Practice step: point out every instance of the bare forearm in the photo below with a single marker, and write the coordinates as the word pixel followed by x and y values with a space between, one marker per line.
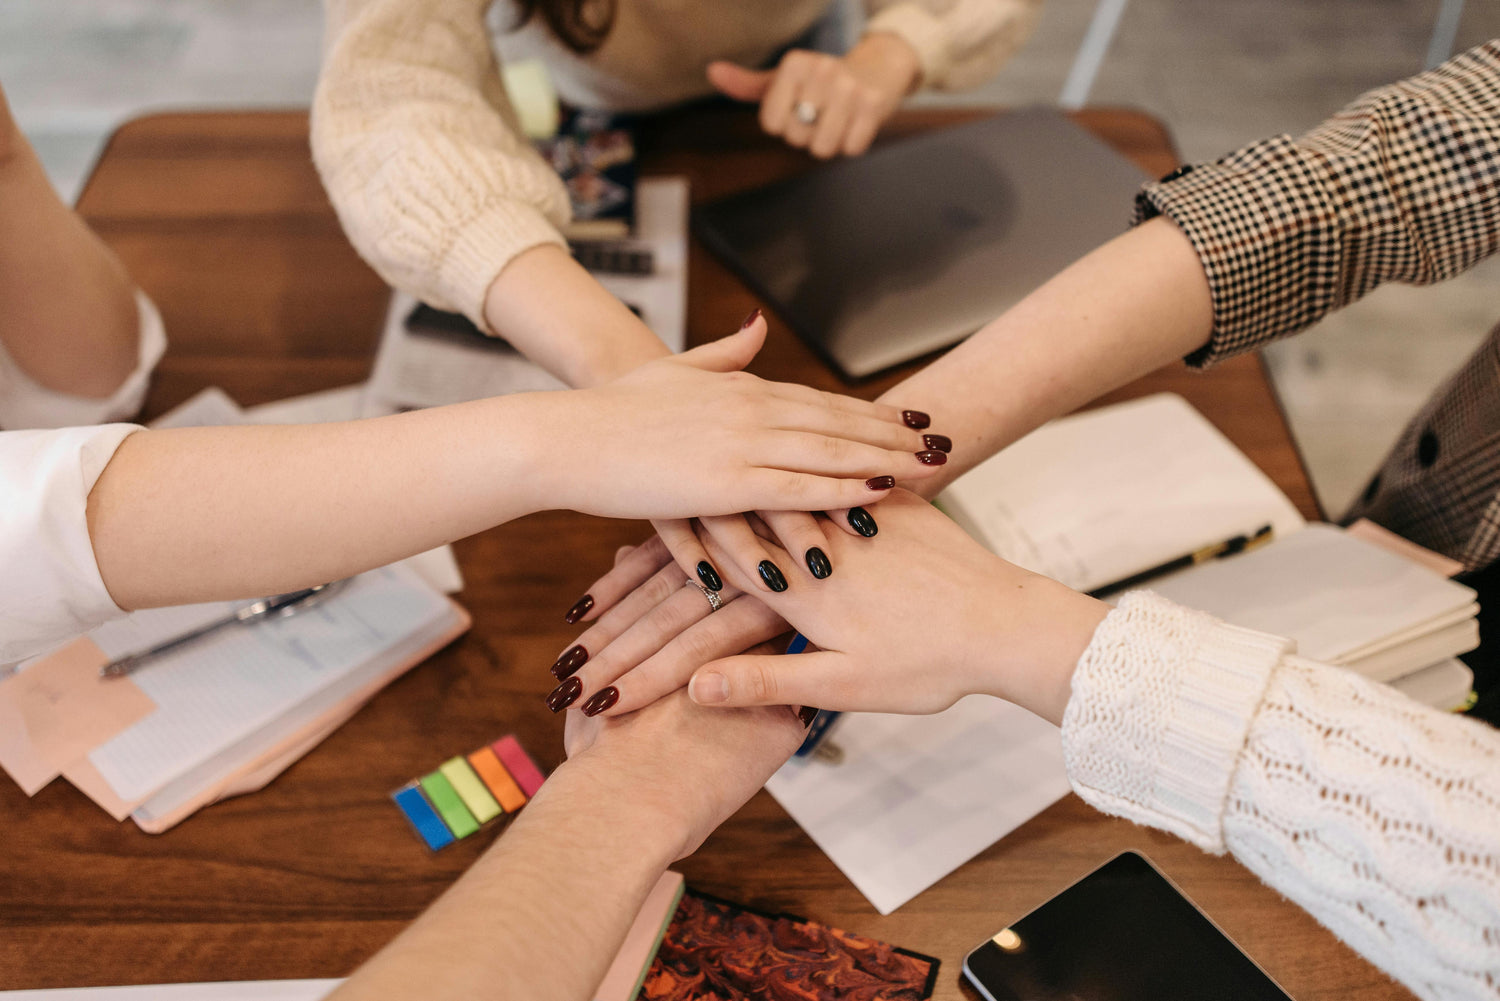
pixel 67 309
pixel 196 514
pixel 556 314
pixel 542 914
pixel 1131 306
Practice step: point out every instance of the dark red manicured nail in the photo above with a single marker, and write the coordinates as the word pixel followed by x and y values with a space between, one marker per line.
pixel 932 457
pixel 754 313
pixel 807 714
pixel 572 659
pixel 880 482
pixel 580 609
pixel 565 694
pixel 601 700
pixel 941 442
pixel 915 419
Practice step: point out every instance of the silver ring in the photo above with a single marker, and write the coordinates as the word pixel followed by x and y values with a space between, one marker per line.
pixel 714 601
pixel 806 112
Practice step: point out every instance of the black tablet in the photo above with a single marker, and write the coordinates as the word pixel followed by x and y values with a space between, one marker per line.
pixel 1122 933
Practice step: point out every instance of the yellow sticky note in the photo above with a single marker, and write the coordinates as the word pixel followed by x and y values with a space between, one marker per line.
pixel 472 791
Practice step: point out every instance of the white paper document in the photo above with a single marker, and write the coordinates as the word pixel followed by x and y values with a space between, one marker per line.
pixel 211 695
pixel 915 797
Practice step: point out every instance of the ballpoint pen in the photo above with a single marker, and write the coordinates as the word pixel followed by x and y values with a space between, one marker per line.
pixel 273 607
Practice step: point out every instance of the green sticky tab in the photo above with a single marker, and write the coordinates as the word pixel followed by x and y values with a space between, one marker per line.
pixel 472 791
pixel 448 805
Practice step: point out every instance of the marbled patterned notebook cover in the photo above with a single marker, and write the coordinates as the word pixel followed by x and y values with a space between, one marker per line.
pixel 718 951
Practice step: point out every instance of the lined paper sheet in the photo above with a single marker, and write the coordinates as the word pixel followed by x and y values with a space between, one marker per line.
pixel 915 797
pixel 212 694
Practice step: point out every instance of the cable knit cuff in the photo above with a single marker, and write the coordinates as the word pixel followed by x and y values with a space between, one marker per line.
pixel 919 28
pixel 483 248
pixel 1162 700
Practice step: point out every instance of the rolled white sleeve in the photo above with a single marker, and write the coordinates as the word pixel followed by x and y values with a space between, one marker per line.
pixel 51 590
pixel 26 404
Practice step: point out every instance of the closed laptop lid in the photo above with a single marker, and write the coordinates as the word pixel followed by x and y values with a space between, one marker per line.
pixel 879 259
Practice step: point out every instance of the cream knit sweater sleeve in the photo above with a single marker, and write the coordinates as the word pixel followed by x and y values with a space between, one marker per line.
pixel 421 153
pixel 1379 816
pixel 961 43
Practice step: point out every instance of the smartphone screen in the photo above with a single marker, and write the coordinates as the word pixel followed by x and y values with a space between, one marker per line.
pixel 1122 933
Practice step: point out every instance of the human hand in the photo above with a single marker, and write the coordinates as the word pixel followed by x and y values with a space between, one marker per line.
pixel 692 767
pixel 916 618
pixel 828 105
pixel 692 435
pixel 658 632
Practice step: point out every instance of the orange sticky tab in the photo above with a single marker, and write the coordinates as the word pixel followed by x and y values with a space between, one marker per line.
pixel 506 792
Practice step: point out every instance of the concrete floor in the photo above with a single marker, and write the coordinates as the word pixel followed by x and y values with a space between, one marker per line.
pixel 1220 74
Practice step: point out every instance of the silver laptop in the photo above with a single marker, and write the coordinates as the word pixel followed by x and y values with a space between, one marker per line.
pixel 878 260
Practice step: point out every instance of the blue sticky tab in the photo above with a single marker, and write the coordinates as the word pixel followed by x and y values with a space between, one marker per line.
pixel 798 644
pixel 422 816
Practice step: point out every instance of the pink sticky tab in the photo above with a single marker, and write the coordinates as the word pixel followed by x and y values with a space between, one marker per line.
pixel 516 761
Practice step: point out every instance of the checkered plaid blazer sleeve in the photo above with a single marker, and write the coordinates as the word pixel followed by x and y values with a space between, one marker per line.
pixel 1402 185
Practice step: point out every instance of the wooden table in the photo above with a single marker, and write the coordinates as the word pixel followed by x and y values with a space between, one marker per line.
pixel 220 217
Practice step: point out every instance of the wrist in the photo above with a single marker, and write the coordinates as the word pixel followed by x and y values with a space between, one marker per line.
pixel 892 59
pixel 653 818
pixel 1046 627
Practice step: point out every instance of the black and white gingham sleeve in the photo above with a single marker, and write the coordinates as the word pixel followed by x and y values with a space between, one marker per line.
pixel 1402 185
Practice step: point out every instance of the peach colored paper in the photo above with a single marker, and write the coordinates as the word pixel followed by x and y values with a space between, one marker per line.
pixel 59 709
pixel 623 981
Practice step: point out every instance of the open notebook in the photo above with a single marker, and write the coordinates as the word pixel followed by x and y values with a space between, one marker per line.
pixel 1102 496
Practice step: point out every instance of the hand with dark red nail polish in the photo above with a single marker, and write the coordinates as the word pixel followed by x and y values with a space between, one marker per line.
pixel 601 700
pixel 880 482
pixel 932 457
pixel 754 315
pixel 579 610
pixel 565 695
pixel 568 664
pixel 940 442
pixel 915 419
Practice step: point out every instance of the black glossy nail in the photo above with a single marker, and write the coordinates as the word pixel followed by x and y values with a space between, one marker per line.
pixel 568 664
pixel 941 442
pixel 915 419
pixel 709 576
pixel 754 314
pixel 932 457
pixel 807 714
pixel 771 574
pixel 565 694
pixel 580 609
pixel 817 563
pixel 601 700
pixel 880 482
pixel 861 522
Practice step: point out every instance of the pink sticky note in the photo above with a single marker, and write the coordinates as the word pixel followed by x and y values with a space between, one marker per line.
pixel 59 709
pixel 516 761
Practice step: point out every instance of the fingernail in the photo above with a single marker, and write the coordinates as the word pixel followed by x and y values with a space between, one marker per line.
pixel 565 694
pixel 941 442
pixel 572 659
pixel 817 563
pixel 771 574
pixel 880 482
pixel 601 700
pixel 709 689
pixel 932 457
pixel 709 576
pixel 580 609
pixel 807 714
pixel 915 419
pixel 754 315
pixel 861 522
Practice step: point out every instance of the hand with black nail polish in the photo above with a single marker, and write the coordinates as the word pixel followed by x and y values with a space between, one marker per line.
pixel 911 625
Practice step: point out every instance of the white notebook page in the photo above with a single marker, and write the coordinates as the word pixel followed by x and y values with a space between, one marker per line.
pixel 211 694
